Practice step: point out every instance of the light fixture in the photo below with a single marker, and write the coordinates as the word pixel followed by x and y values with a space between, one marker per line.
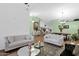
pixel 63 14
pixel 33 21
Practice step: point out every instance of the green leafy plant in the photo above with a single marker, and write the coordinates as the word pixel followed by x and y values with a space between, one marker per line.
pixel 75 36
pixel 60 28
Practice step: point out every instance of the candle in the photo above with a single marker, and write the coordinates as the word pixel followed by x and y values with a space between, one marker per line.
pixel 39 43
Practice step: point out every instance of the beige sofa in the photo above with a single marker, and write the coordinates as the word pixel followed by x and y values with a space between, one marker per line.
pixel 13 42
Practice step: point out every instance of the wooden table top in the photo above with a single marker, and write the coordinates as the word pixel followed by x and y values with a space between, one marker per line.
pixel 61 33
pixel 72 42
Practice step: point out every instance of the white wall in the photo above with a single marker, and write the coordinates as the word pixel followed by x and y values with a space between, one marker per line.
pixel 53 11
pixel 14 20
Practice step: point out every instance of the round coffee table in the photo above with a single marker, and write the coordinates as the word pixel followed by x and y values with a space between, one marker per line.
pixel 24 51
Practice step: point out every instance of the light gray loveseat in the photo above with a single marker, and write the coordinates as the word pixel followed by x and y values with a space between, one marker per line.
pixel 13 42
pixel 54 39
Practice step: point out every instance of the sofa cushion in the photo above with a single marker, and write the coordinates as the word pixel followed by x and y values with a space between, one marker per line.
pixel 19 37
pixel 28 37
pixel 22 37
pixel 19 43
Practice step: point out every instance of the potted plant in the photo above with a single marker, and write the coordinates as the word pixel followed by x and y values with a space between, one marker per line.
pixel 60 28
pixel 75 36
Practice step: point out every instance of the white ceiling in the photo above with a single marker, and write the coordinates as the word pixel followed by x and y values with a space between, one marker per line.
pixel 52 11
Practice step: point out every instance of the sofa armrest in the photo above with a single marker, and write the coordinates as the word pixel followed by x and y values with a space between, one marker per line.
pixel 6 42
